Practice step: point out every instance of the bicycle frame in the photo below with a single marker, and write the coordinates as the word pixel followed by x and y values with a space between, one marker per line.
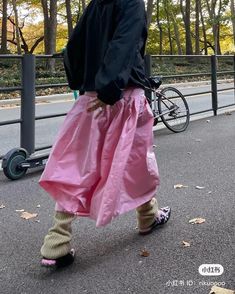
pixel 159 95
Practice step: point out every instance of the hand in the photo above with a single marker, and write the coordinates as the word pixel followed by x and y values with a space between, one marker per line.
pixel 94 105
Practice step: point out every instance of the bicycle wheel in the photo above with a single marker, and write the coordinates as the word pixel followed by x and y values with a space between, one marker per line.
pixel 173 109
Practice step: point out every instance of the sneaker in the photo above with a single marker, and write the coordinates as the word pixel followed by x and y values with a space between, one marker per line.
pixel 62 261
pixel 161 218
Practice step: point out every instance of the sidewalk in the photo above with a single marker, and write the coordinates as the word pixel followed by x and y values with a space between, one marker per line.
pixel 108 259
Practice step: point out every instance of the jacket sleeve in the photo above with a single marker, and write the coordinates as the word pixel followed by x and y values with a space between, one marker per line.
pixel 114 72
pixel 74 54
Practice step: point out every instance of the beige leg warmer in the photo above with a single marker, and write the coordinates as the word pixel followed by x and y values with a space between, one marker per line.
pixel 57 241
pixel 146 214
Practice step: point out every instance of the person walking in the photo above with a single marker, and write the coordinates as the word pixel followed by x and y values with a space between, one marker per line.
pixel 102 163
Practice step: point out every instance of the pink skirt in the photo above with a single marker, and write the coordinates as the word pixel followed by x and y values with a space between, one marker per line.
pixel 103 167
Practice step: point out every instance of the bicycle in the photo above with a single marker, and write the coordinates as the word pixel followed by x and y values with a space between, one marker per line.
pixel 169 104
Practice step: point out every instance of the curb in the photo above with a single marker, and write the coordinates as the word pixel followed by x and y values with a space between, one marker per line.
pixel 200 116
pixel 56 97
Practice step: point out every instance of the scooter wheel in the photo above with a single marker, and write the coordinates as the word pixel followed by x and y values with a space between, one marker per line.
pixel 12 168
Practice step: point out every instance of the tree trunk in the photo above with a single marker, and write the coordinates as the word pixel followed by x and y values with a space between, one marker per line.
pixel 3 49
pixel 50 29
pixel 46 25
pixel 53 25
pixel 50 25
pixel 187 24
pixel 216 19
pixel 177 35
pixel 218 40
pixel 197 23
pixel 149 12
pixel 160 30
pixel 233 19
pixel 166 7
pixel 69 17
pixel 215 33
pixel 16 27
pixel 189 47
pixel 203 30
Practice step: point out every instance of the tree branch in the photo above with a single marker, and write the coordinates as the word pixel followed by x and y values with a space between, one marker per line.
pixel 202 41
pixel 11 41
pixel 36 44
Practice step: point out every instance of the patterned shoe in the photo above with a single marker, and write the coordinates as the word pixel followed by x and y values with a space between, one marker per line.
pixel 62 261
pixel 161 218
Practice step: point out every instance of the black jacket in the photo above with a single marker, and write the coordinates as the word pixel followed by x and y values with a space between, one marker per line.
pixel 106 50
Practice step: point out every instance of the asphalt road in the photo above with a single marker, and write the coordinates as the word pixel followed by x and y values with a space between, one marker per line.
pixel 108 259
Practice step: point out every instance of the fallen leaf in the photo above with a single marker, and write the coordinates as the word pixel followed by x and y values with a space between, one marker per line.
pixel 200 187
pixel 28 215
pixel 219 290
pixel 185 244
pixel 144 253
pixel 197 220
pixel 2 206
pixel 179 186
pixel 19 210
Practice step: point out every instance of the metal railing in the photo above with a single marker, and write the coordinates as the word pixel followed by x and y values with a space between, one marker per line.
pixel 213 74
pixel 28 88
pixel 28 92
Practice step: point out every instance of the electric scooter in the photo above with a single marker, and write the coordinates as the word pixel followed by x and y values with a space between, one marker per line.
pixel 17 161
